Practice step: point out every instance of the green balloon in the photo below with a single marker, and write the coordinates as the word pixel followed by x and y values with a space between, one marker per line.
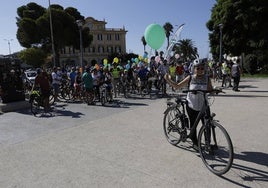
pixel 155 36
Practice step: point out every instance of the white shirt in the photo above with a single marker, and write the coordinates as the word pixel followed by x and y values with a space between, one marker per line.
pixel 196 101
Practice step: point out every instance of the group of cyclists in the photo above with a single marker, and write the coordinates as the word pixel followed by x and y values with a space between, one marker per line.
pixel 130 78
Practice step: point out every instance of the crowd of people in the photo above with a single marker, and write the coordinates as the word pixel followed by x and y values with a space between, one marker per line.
pixel 138 77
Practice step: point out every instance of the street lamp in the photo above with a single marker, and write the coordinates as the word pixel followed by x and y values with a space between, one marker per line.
pixel 80 24
pixel 51 33
pixel 220 57
pixel 8 42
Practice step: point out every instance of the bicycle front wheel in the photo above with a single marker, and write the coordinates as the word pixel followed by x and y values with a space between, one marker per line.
pixel 216 148
pixel 173 125
pixel 35 107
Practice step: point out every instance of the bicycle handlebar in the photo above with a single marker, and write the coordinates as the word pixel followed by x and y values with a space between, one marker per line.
pixel 195 91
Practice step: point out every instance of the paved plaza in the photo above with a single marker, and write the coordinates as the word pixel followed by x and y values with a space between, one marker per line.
pixel 128 148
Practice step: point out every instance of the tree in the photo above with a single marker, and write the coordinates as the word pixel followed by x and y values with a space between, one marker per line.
pixel 143 42
pixel 33 23
pixel 33 56
pixel 168 29
pixel 244 27
pixel 186 49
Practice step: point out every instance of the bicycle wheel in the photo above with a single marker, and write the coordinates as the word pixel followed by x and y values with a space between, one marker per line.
pixel 35 107
pixel 215 148
pixel 173 125
pixel 51 99
pixel 67 94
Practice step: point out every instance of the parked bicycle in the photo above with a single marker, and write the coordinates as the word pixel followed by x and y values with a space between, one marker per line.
pixel 214 143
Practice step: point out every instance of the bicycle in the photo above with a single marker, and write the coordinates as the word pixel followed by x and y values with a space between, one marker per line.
pixel 106 94
pixel 37 102
pixel 214 143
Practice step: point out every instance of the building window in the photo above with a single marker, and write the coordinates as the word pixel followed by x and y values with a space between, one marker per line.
pixel 62 51
pixel 118 49
pixel 99 36
pixel 117 37
pixel 109 49
pixel 109 37
pixel 100 49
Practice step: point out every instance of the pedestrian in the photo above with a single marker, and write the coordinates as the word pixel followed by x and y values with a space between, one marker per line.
pixel 225 70
pixel 236 72
pixel 198 80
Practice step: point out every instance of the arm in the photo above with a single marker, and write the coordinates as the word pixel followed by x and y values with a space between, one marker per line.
pixel 210 87
pixel 175 85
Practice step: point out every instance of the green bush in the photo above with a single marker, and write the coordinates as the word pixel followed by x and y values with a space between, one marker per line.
pixel 250 63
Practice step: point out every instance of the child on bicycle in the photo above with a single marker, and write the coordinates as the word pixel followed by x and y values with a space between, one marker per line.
pixel 198 80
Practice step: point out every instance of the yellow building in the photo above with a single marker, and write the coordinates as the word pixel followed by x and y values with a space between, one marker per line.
pixel 105 41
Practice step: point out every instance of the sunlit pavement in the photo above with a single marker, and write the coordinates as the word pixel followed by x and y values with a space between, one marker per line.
pixel 127 148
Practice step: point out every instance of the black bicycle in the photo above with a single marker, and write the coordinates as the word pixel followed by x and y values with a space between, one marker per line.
pixel 37 102
pixel 214 143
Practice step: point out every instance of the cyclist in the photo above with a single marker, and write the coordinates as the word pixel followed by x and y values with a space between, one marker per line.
pixel 197 80
pixel 42 81
pixel 77 85
pixel 162 70
pixel 88 85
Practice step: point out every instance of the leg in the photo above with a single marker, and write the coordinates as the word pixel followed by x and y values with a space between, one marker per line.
pixel 192 117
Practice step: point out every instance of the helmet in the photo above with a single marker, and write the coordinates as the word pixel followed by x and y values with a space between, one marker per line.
pixel 196 62
pixel 38 70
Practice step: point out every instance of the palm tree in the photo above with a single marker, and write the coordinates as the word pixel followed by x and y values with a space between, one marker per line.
pixel 143 42
pixel 168 29
pixel 187 48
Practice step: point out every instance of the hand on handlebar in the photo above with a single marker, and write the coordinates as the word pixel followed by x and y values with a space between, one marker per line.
pixel 167 76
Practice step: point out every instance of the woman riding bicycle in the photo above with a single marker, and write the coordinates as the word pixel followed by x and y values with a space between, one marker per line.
pixel 198 80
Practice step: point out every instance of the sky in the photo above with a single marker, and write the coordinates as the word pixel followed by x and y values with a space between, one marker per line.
pixel 134 15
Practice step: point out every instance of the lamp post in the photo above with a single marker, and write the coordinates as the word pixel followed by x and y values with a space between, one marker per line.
pixel 51 33
pixel 80 26
pixel 8 42
pixel 220 57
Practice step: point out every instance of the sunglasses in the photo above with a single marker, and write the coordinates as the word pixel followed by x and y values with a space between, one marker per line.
pixel 199 68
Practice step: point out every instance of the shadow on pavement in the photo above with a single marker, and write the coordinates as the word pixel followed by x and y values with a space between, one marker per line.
pixel 249 174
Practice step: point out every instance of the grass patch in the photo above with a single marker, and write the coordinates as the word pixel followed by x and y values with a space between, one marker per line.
pixel 246 75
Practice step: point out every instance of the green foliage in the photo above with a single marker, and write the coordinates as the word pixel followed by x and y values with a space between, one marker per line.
pixel 187 49
pixel 144 43
pixel 250 63
pixel 33 56
pixel 168 27
pixel 33 23
pixel 245 27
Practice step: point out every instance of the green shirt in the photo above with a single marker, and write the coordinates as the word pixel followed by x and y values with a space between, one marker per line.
pixel 88 80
